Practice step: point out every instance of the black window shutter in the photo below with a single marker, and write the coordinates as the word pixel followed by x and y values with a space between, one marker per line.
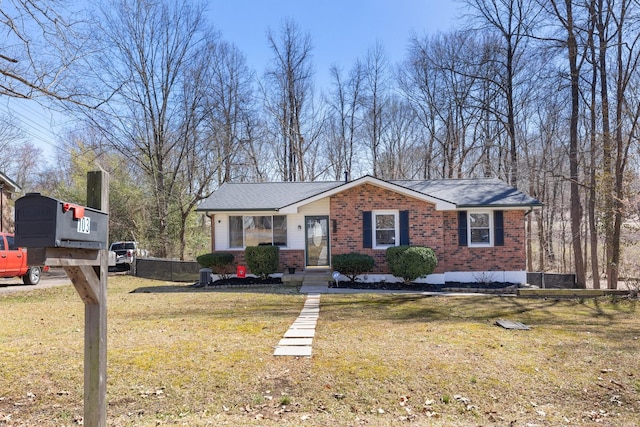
pixel 498 228
pixel 367 230
pixel 462 228
pixel 404 228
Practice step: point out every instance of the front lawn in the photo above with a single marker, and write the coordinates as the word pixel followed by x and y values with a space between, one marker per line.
pixel 203 357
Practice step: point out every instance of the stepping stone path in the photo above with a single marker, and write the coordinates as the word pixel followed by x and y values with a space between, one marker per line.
pixel 297 340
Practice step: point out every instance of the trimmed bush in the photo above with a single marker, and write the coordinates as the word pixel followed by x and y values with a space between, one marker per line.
pixel 411 262
pixel 262 260
pixel 218 262
pixel 352 265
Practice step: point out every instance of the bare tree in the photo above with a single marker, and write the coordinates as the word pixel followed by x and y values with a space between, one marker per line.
pixel 289 97
pixel 344 119
pixel 229 109
pixel 616 25
pixel 563 12
pixel 44 40
pixel 441 82
pixel 154 58
pixel 10 138
pixel 399 143
pixel 511 21
pixel 418 80
pixel 375 98
pixel 594 147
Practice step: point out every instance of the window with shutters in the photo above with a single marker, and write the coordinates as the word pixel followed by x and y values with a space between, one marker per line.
pixel 480 228
pixel 385 229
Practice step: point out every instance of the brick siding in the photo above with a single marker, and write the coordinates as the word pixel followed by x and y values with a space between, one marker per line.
pixel 427 227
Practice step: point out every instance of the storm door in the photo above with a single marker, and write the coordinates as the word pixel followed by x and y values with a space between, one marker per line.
pixel 317 241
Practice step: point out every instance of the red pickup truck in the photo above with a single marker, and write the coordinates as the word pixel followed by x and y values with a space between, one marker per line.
pixel 13 261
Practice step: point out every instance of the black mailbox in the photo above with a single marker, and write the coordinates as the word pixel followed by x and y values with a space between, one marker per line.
pixel 44 222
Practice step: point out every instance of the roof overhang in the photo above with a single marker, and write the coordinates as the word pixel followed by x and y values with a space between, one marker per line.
pixel 501 207
pixel 441 205
pixel 213 211
pixel 9 185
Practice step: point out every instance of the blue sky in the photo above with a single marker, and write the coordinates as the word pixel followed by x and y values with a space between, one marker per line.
pixel 341 32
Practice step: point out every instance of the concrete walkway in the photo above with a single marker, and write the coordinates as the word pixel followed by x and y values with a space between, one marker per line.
pixel 298 339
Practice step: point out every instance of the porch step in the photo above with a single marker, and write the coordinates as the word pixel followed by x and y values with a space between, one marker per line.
pixel 315 282
pixel 317 277
pixel 307 278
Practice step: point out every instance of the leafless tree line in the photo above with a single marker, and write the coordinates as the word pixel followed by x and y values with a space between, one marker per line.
pixel 542 94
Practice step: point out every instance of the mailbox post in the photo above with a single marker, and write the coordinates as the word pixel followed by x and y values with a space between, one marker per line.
pixel 75 237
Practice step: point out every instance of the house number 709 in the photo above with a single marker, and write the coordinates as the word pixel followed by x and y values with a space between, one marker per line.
pixel 84 225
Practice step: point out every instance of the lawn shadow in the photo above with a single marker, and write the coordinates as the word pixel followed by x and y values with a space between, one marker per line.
pixel 571 313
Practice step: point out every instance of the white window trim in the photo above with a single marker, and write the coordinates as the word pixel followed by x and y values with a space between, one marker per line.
pixel 491 229
pixel 396 217
pixel 244 243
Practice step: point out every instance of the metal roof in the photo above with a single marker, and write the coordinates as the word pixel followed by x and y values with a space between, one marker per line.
pixel 272 196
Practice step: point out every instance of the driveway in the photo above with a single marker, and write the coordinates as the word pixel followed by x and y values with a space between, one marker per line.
pixel 54 277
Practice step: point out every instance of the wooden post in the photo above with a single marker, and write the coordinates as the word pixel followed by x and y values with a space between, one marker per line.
pixel 95 316
pixel 88 269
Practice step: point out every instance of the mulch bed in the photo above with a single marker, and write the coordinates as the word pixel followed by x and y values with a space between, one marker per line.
pixel 239 282
pixel 397 286
pixel 426 287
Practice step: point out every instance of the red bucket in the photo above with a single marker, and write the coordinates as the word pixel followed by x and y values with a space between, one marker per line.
pixel 241 271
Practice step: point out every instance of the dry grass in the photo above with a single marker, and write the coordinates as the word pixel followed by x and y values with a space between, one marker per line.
pixel 205 358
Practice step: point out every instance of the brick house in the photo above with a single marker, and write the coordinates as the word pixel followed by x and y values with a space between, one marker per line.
pixel 475 226
pixel 7 188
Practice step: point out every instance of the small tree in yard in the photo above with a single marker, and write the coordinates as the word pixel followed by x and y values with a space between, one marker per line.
pixel 218 262
pixel 411 262
pixel 352 265
pixel 262 260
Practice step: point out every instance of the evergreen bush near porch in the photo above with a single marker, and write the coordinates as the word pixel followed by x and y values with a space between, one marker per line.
pixel 218 262
pixel 411 262
pixel 262 260
pixel 353 264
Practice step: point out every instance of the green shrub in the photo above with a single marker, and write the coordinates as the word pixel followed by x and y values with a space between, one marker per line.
pixel 411 262
pixel 352 265
pixel 262 260
pixel 218 262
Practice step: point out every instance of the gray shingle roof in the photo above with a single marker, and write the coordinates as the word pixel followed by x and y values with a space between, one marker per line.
pixel 263 195
pixel 464 193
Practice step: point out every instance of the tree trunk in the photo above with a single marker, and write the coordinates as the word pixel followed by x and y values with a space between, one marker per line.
pixel 576 208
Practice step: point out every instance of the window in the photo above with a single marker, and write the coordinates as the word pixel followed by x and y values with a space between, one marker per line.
pixel 381 229
pixel 236 235
pixel 280 230
pixel 385 229
pixel 479 229
pixel 257 230
pixel 12 243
